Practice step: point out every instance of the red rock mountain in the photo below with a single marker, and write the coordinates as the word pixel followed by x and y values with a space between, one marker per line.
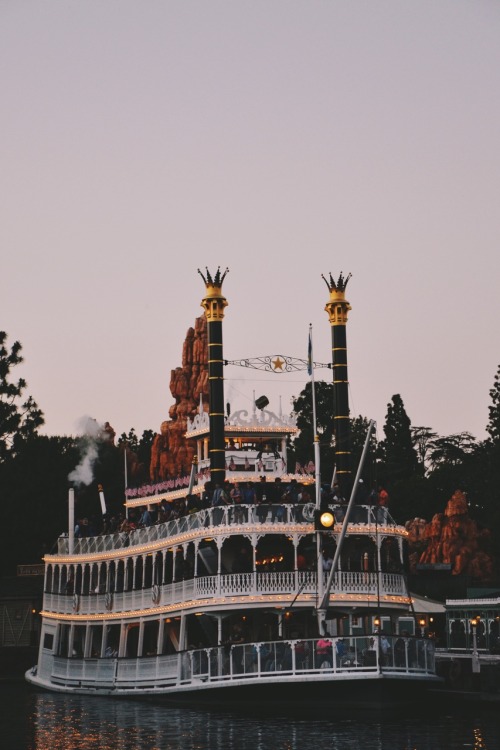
pixel 171 456
pixel 453 538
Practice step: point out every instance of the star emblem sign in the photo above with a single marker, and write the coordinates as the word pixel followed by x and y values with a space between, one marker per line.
pixel 278 363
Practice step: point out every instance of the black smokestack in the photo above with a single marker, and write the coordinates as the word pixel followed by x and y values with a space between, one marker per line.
pixel 337 308
pixel 214 303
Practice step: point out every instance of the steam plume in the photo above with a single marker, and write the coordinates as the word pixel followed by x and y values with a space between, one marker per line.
pixel 92 434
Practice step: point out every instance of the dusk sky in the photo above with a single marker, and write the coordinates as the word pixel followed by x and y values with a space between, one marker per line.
pixel 284 139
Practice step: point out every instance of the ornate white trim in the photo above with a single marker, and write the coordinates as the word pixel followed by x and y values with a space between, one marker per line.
pixel 242 418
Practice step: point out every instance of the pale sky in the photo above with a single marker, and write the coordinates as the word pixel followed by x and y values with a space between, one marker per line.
pixel 142 140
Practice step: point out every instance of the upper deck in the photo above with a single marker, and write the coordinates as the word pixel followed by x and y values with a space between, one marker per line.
pixel 255 444
pixel 196 561
pixel 241 519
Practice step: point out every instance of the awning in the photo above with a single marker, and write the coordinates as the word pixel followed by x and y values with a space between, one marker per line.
pixel 424 606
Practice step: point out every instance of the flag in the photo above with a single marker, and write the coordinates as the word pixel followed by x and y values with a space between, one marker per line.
pixel 310 354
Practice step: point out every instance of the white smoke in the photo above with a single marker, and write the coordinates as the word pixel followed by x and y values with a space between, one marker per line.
pixel 92 434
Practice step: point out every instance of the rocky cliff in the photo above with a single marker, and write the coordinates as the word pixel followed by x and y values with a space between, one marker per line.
pixel 453 538
pixel 171 456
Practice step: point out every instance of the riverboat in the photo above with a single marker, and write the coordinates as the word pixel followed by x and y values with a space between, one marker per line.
pixel 244 602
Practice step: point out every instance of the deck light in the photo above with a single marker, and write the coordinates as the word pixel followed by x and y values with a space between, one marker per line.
pixel 324 520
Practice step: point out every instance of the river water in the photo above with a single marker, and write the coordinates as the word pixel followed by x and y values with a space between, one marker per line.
pixel 33 720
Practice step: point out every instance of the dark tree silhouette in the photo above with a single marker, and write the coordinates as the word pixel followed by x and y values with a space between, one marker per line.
pixel 397 452
pixel 493 426
pixel 19 420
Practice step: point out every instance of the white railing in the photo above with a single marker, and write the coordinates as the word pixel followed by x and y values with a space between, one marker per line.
pixel 231 515
pixel 249 463
pixel 230 584
pixel 327 658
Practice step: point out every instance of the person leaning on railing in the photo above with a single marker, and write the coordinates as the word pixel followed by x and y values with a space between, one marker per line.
pixel 324 653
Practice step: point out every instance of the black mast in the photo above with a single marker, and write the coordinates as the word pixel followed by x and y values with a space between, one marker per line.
pixel 337 308
pixel 214 303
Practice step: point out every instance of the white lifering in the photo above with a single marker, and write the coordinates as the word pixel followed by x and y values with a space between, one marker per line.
pixel 308 511
pixel 155 594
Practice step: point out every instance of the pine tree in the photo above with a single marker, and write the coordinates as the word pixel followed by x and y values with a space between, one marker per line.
pixel 18 420
pixel 397 452
pixel 423 438
pixel 493 426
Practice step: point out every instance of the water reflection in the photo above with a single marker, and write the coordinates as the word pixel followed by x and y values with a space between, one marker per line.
pixel 46 721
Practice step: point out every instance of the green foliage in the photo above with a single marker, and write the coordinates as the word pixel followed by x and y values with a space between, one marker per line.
pixel 19 420
pixel 303 445
pixel 451 450
pixel 493 426
pixel 138 455
pixel 397 453
pixel 34 484
pixel 131 440
pixel 359 430
pixel 422 438
pixel 144 448
pixel 410 498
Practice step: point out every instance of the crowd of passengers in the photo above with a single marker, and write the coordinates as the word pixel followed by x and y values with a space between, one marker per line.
pixel 262 493
pixel 394 650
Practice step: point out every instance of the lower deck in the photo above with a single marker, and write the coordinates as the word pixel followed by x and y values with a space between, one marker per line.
pixel 374 658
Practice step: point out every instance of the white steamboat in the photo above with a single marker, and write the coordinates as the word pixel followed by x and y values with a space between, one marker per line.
pixel 239 602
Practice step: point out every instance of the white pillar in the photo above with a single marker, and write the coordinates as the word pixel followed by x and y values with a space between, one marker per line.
pixel 104 639
pixel 196 548
pixel 87 649
pixel 182 633
pixel 140 643
pixel 71 520
pixel 161 630
pixel 71 638
pixel 123 639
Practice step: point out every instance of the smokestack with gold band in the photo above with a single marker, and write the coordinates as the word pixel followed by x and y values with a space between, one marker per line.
pixel 337 308
pixel 214 304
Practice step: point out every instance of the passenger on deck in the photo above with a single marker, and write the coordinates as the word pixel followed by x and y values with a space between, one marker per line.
pixel 278 510
pixel 327 560
pixel 323 654
pixel 382 505
pixel 262 492
pixel 146 518
pixel 248 494
pixel 236 497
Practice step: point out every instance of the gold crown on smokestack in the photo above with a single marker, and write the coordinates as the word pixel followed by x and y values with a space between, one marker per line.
pixel 339 285
pixel 214 283
pixel 337 306
pixel 214 301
